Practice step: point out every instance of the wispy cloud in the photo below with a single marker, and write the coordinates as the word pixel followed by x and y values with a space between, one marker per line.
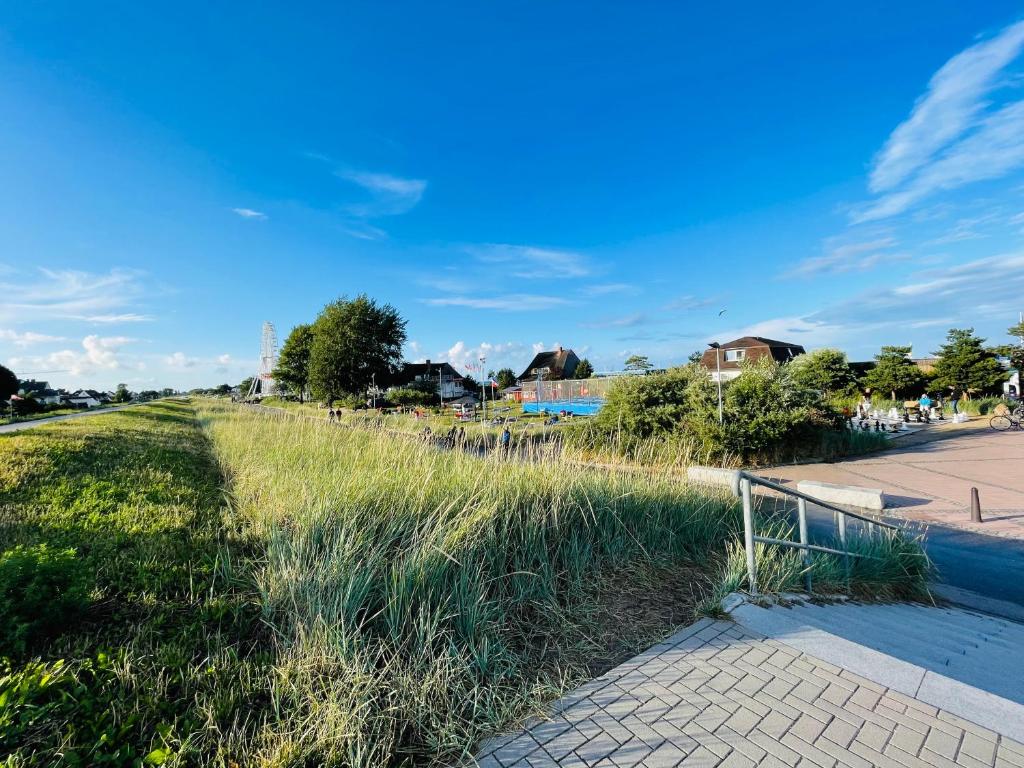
pixel 509 302
pixel 965 293
pixel 28 338
pixel 957 133
pixel 531 262
pixel 68 294
pixel 848 257
pixel 390 195
pixel 249 213
pixel 610 289
pixel 687 303
pixel 625 321
pixel 126 317
pixel 180 360
pixel 952 103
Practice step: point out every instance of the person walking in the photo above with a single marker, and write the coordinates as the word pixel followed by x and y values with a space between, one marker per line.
pixel 330 413
pixel 506 440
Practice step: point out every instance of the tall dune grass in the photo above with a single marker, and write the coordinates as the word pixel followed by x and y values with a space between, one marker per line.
pixel 419 598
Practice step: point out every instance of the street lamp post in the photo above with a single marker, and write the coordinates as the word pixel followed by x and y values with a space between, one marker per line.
pixel 373 392
pixel 718 376
pixel 483 388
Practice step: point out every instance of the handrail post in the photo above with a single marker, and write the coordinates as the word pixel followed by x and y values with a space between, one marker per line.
pixel 748 534
pixel 801 509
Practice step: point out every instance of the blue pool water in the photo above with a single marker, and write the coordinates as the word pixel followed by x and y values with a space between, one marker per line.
pixel 587 407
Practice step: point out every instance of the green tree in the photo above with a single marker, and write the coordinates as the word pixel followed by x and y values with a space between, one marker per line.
pixel 584 370
pixel 506 378
pixel 244 387
pixel 121 394
pixel 965 365
pixel 352 340
pixel 695 357
pixel 292 370
pixel 894 373
pixel 1015 352
pixel 638 363
pixel 655 405
pixel 8 383
pixel 824 370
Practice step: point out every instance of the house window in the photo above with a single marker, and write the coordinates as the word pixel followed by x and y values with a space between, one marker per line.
pixel 734 355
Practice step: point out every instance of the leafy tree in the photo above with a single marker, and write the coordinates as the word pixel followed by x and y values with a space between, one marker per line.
pixel 894 373
pixel 824 370
pixel 222 389
pixel 695 357
pixel 646 406
pixel 1015 352
pixel 584 370
pixel 410 396
pixel 507 377
pixel 292 370
pixel 352 340
pixel 166 392
pixel 121 394
pixel 965 365
pixel 638 363
pixel 8 383
pixel 244 387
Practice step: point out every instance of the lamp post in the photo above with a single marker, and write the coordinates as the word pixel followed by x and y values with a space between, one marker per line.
pixel 373 392
pixel 483 388
pixel 718 376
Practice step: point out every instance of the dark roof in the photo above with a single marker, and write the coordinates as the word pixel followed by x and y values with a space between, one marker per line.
pixel 562 363
pixel 410 371
pixel 759 341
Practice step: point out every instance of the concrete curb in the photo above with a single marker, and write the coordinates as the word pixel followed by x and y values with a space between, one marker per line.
pixel 844 495
pixel 996 713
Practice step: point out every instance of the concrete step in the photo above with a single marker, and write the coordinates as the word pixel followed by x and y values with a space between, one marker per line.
pixel 980 680
pixel 954 644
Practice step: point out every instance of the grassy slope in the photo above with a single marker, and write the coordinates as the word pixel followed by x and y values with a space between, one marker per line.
pixel 157 664
pixel 411 600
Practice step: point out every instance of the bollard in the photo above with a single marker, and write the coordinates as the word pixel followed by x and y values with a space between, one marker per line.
pixel 975 507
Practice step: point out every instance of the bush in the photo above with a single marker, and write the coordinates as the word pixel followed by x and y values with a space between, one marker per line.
pixel 42 592
pixel 405 396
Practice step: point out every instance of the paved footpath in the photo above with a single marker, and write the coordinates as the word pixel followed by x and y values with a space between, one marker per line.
pixel 716 694
pixel 18 426
pixel 931 482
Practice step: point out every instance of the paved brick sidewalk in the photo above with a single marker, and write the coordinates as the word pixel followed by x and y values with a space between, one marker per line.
pixel 717 695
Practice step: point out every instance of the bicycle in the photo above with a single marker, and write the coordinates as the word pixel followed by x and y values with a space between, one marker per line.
pixel 1003 423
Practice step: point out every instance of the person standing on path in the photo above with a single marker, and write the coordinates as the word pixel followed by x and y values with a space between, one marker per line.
pixel 506 440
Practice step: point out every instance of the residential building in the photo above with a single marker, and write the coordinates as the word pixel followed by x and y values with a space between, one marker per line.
pixel 439 377
pixel 732 355
pixel 556 365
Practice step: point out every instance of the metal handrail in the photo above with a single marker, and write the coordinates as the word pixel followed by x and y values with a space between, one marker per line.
pixel 742 488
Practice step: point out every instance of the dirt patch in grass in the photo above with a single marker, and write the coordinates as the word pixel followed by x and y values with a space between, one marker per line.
pixel 634 608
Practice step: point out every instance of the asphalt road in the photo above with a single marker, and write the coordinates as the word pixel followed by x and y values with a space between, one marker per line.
pixel 18 426
pixel 990 566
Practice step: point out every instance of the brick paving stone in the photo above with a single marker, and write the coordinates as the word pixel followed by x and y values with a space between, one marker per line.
pixel 714 695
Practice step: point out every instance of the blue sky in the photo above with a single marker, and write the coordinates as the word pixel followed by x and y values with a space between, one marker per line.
pixel 510 176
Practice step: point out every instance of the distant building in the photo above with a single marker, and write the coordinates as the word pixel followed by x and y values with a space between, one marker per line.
pixel 439 377
pixel 748 348
pixel 86 398
pixel 560 364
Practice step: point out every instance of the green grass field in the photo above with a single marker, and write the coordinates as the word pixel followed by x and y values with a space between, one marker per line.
pixel 267 590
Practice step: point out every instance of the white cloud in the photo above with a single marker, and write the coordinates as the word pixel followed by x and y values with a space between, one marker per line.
pixel 532 262
pixel 28 338
pixel 68 294
pixel 99 353
pixel 958 132
pixel 225 359
pixel 249 213
pixel 391 195
pixel 954 99
pixel 180 360
pixel 510 302
pixel 466 358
